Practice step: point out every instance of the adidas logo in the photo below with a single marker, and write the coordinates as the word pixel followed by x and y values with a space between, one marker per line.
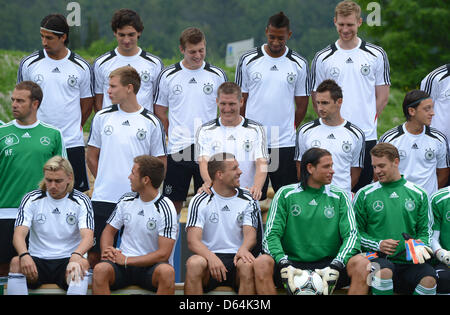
pixel 56 211
pixel 126 123
pixel 226 208
pixel 56 70
pixel 331 136
pixel 231 138
pixel 394 195
pixel 193 81
pixel 26 135
pixel 313 202
pixel 414 146
pixel 274 68
pixel 141 213
pixel 349 60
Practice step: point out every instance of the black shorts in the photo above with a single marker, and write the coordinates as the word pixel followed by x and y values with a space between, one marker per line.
pixel 181 167
pixel 50 271
pixel 102 212
pixel 227 260
pixel 405 277
pixel 141 276
pixel 282 169
pixel 7 250
pixel 343 280
pixel 443 278
pixel 366 176
pixel 77 159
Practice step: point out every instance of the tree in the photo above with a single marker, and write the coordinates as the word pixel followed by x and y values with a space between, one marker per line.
pixel 415 35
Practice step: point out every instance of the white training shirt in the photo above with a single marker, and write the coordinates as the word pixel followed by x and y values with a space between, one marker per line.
pixel 147 65
pixel 221 219
pixel 143 223
pixel 437 85
pixel 63 82
pixel 345 143
pixel 246 141
pixel 55 223
pixel 190 96
pixel 272 84
pixel 122 136
pixel 357 71
pixel 420 155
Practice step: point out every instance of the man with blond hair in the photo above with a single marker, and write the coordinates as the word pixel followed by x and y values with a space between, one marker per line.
pixel 60 222
pixel 362 70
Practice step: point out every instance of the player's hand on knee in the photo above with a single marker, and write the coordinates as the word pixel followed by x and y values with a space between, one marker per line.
pixel 74 272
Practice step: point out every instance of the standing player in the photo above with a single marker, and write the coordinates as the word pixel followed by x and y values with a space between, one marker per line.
pixel 423 150
pixel 149 223
pixel 384 211
pixel 127 27
pixel 25 145
pixel 437 85
pixel 311 225
pixel 185 99
pixel 274 82
pixel 65 79
pixel 60 222
pixel 118 134
pixel 344 140
pixel 232 133
pixel 440 244
pixel 221 232
pixel 362 70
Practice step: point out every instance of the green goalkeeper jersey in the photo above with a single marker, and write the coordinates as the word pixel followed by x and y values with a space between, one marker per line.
pixel 308 225
pixel 23 152
pixel 440 204
pixel 386 210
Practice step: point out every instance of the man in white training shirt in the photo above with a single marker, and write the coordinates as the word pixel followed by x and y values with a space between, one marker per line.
pixel 274 83
pixel 118 134
pixel 149 223
pixel 127 27
pixel 340 137
pixel 60 222
pixel 232 133
pixel 65 79
pixel 185 99
pixel 362 71
pixel 423 150
pixel 221 232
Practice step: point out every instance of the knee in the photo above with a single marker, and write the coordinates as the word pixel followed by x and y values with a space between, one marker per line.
pixel 102 271
pixel 428 282
pixel 245 270
pixel 196 265
pixel 358 267
pixel 165 275
pixel 263 266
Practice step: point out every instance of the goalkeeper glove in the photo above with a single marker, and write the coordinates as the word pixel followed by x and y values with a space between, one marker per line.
pixel 416 250
pixel 443 256
pixel 287 276
pixel 330 276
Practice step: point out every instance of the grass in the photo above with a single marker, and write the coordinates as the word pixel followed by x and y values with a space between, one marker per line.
pixel 9 62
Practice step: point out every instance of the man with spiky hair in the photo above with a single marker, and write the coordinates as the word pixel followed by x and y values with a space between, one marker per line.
pixel 274 83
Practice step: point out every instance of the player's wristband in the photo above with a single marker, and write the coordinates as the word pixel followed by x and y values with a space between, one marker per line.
pixel 76 253
pixel 24 254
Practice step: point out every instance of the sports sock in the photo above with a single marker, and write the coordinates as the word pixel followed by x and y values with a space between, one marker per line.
pixel 17 284
pixel 420 290
pixel 382 286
